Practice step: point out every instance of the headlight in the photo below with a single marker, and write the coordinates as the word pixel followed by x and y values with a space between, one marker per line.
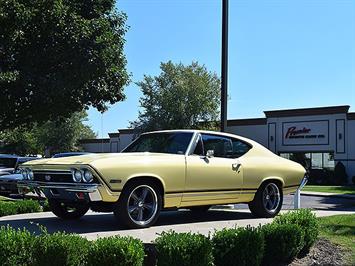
pixel 77 175
pixel 24 173
pixel 30 174
pixel 88 177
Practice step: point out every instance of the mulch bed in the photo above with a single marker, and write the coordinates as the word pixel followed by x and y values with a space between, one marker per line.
pixel 322 253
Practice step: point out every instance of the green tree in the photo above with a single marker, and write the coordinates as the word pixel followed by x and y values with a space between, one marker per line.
pixel 58 57
pixel 180 97
pixel 50 137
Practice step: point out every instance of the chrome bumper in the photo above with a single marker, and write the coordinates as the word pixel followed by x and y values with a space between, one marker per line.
pixel 91 189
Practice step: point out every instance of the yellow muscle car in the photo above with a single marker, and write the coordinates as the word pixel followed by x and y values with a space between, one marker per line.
pixel 166 169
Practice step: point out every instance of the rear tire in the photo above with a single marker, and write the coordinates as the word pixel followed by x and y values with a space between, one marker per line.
pixel 268 200
pixel 139 204
pixel 67 211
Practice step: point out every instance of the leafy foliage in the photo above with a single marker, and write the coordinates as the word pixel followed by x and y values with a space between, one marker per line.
pixel 282 242
pixel 306 220
pixel 15 247
pixel 54 136
pixel 120 251
pixel 240 246
pixel 60 249
pixel 19 207
pixel 183 249
pixel 58 57
pixel 179 97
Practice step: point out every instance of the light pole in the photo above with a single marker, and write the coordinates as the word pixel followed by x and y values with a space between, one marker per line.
pixel 224 65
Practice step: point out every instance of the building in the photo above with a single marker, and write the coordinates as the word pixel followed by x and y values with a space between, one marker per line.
pixel 318 138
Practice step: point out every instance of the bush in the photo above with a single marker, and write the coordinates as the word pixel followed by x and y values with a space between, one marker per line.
pixel 306 220
pixel 28 206
pixel 183 249
pixel 341 177
pixel 19 207
pixel 60 249
pixel 283 242
pixel 120 251
pixel 241 246
pixel 15 247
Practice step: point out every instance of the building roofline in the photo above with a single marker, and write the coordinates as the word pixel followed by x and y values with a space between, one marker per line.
pixel 351 116
pixel 247 122
pixel 308 111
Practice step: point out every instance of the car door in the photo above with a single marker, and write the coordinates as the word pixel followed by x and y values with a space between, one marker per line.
pixel 217 178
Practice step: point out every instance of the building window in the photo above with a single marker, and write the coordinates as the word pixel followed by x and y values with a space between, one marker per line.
pixel 312 160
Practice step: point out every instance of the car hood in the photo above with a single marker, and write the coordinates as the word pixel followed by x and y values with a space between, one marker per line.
pixel 90 158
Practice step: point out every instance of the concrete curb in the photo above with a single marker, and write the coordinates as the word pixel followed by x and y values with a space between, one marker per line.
pixel 323 194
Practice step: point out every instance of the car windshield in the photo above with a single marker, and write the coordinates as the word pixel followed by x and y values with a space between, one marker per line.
pixel 8 162
pixel 162 142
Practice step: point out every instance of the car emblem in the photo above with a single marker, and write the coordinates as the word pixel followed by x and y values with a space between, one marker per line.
pixel 47 177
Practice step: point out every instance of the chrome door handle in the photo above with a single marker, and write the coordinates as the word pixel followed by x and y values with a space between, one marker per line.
pixel 236 166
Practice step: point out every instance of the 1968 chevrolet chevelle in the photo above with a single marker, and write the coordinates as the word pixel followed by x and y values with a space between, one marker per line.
pixel 166 169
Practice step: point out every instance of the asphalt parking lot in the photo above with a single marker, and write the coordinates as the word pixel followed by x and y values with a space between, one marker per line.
pixel 94 225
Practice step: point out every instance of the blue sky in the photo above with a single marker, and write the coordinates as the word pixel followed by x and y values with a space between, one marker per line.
pixel 282 54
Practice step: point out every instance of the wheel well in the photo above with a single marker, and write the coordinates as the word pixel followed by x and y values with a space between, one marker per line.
pixel 278 182
pixel 147 178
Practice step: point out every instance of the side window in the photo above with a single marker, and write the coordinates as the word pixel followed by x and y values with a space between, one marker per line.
pixel 239 148
pixel 222 146
pixel 199 148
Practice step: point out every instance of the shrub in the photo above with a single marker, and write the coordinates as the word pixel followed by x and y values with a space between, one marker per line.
pixel 306 220
pixel 27 206
pixel 45 206
pixel 341 177
pixel 120 251
pixel 18 207
pixel 183 249
pixel 282 242
pixel 240 246
pixel 15 246
pixel 60 249
pixel 7 208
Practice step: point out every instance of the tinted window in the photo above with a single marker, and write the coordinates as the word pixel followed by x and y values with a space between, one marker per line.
pixel 222 146
pixel 239 148
pixel 8 162
pixel 199 148
pixel 164 142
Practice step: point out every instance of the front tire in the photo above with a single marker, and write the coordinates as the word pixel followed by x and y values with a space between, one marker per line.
pixel 268 200
pixel 68 211
pixel 139 204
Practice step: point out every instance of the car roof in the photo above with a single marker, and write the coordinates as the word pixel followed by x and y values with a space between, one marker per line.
pixel 250 141
pixel 8 156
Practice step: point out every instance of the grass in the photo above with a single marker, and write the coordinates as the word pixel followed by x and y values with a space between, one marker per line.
pixel 340 229
pixel 331 189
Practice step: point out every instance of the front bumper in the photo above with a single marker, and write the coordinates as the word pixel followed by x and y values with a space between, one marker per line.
pixel 66 191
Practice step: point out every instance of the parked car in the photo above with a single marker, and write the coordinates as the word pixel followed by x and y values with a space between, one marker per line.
pixel 9 174
pixel 166 169
pixel 69 154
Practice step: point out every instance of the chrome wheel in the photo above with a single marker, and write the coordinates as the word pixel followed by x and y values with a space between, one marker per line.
pixel 271 197
pixel 142 205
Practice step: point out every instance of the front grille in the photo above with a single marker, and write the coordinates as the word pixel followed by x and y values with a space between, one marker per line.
pixel 53 176
pixel 56 176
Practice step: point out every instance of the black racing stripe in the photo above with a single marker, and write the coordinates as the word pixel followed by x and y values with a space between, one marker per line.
pixel 103 180
pixel 292 186
pixel 210 190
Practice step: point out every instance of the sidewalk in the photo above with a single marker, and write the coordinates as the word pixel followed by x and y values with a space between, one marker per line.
pixel 325 194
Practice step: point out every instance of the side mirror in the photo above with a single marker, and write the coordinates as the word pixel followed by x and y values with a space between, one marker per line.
pixel 210 153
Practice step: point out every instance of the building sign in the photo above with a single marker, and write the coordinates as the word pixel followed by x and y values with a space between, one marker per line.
pixel 305 133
